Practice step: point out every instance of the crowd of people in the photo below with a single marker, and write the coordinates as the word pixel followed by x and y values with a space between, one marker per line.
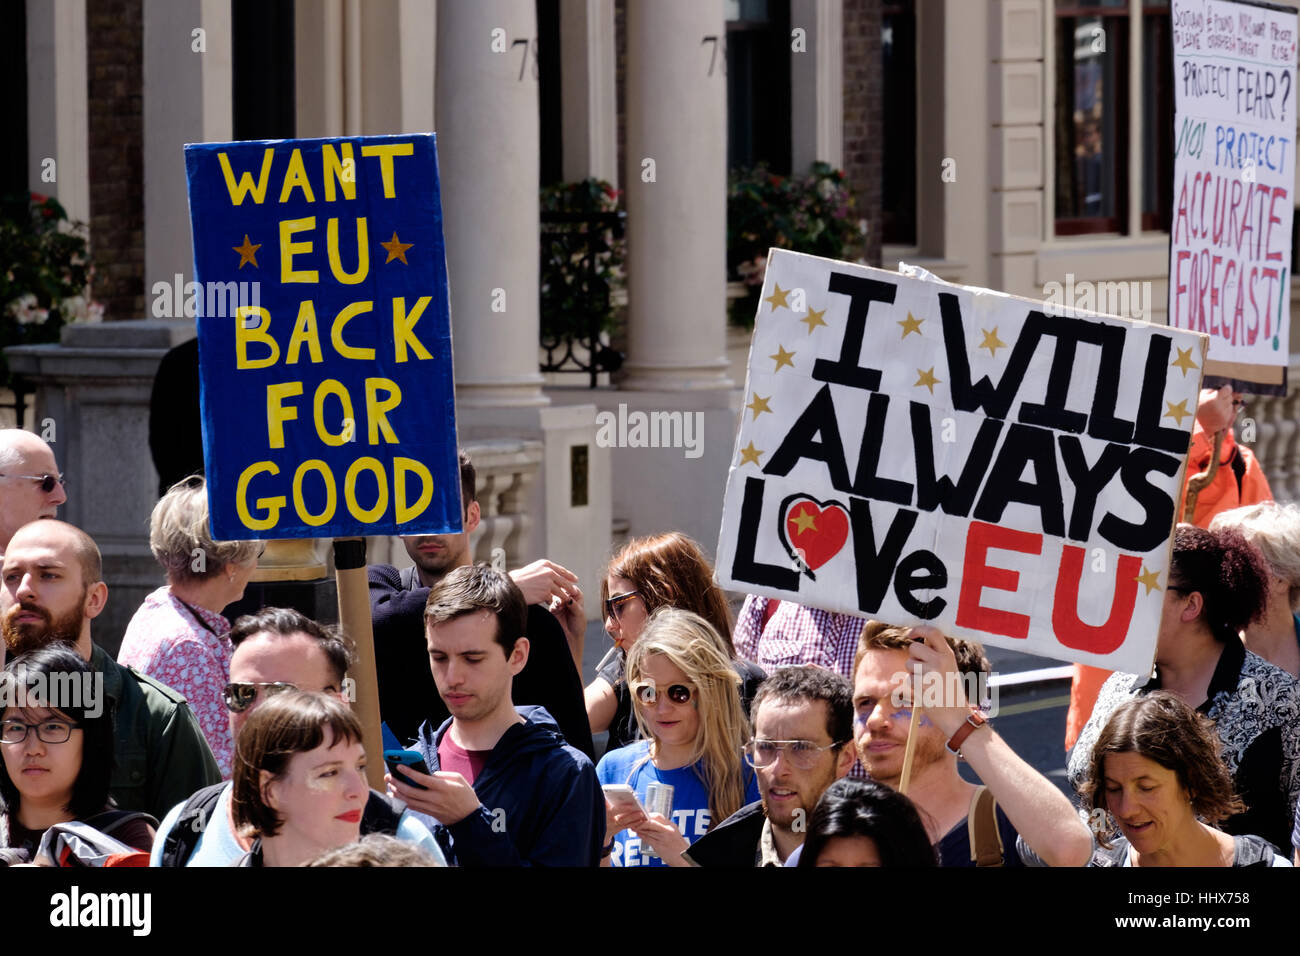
pixel 781 736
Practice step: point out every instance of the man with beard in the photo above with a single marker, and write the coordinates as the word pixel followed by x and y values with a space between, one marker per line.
pixel 969 825
pixel 53 588
pixel 407 694
pixel 803 734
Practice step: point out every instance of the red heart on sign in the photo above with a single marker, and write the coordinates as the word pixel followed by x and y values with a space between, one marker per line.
pixel 817 533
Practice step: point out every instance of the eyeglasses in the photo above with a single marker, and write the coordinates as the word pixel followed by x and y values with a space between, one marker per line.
pixel 614 604
pixel 804 754
pixel 47 731
pixel 47 481
pixel 649 693
pixel 240 697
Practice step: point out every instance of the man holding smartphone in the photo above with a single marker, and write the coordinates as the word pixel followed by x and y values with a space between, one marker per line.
pixel 504 788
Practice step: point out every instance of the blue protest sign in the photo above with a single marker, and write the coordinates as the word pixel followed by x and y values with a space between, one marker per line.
pixel 324 337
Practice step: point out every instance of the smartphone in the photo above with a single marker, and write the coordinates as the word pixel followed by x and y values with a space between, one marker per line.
pixel 406 758
pixel 622 798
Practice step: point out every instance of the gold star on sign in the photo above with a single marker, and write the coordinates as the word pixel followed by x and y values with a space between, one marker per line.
pixel 814 319
pixel 749 455
pixel 777 298
pixel 247 252
pixel 782 358
pixel 992 342
pixel 1149 578
pixel 927 379
pixel 396 249
pixel 1184 361
pixel 803 521
pixel 759 405
pixel 911 324
pixel 1177 412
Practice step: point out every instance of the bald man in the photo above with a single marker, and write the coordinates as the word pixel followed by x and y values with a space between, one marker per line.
pixel 30 484
pixel 51 588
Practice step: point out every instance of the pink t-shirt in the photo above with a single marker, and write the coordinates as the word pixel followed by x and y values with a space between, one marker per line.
pixel 467 763
pixel 187 648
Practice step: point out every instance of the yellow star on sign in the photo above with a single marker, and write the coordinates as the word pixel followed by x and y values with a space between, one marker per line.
pixel 396 249
pixel 749 455
pixel 247 252
pixel 1184 361
pixel 1149 578
pixel 911 324
pixel 777 298
pixel 927 379
pixel 814 319
pixel 992 342
pixel 1177 412
pixel 759 405
pixel 782 358
pixel 803 521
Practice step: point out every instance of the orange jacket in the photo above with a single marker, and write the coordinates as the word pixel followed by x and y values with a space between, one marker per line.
pixel 1222 494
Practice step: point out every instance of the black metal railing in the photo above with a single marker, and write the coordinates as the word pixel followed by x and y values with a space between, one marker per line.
pixel 577 252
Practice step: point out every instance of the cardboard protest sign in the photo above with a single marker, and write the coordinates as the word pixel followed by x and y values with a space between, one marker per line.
pixel 1234 172
pixel 915 452
pixel 325 361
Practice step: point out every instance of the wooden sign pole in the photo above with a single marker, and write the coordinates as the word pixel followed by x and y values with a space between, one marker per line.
pixel 354 616
pixel 910 751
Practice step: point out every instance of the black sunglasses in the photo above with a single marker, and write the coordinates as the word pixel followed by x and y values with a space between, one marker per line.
pixel 677 693
pixel 613 605
pixel 240 697
pixel 47 481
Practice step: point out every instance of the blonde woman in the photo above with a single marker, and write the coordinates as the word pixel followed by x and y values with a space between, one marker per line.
pixel 178 635
pixel 687 703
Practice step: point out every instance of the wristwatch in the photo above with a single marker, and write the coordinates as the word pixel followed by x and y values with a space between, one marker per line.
pixel 973 723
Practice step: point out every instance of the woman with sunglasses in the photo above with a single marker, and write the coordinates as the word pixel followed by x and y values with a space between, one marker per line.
pixel 57 760
pixel 300 778
pixel 664 570
pixel 179 636
pixel 688 708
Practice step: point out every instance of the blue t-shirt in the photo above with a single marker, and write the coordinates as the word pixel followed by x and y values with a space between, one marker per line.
pixel 690 798
pixel 954 849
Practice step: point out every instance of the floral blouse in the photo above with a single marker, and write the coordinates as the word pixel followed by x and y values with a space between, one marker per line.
pixel 187 648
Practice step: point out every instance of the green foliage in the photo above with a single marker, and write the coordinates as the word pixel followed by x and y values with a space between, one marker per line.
pixel 569 292
pixel 813 213
pixel 46 279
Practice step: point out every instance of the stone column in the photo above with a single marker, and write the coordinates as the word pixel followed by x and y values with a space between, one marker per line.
pixel 56 104
pixel 587 84
pixel 676 181
pixel 486 104
pixel 817 83
pixel 187 99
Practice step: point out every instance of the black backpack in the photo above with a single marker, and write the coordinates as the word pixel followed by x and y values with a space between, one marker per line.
pixel 381 815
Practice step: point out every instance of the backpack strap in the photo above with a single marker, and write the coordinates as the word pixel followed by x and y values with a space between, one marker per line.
pixel 194 817
pixel 1238 468
pixel 382 813
pixel 982 826
pixel 111 820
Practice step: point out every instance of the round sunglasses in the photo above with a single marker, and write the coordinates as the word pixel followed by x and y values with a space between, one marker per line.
pixel 677 693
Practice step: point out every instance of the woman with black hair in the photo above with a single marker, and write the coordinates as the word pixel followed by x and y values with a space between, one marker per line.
pixel 56 740
pixel 1218 584
pixel 859 823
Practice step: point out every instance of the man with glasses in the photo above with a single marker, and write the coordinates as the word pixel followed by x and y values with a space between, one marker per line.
pixel 52 589
pixel 275 649
pixel 803 742
pixel 556 624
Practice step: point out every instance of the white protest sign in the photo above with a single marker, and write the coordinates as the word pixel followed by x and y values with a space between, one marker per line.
pixel 1234 175
pixel 915 451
